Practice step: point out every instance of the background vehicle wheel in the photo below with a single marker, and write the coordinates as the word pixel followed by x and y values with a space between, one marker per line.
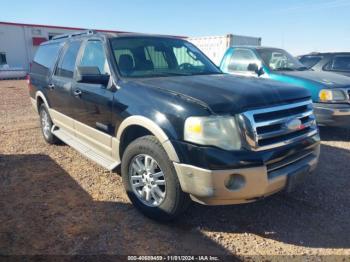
pixel 150 180
pixel 46 125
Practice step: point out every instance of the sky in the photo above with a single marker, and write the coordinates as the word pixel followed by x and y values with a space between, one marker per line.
pixel 295 25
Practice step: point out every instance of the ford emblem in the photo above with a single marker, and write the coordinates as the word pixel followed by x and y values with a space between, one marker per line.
pixel 294 124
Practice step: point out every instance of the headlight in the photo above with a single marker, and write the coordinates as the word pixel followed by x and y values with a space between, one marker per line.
pixel 331 95
pixel 220 131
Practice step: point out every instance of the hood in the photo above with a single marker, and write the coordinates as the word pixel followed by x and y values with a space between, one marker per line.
pixel 226 93
pixel 326 79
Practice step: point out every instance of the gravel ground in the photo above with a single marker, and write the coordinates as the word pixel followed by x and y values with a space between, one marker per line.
pixel 54 201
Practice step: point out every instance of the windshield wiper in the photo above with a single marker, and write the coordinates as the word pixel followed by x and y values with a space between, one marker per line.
pixel 167 74
pixel 284 69
pixel 303 68
pixel 178 74
pixel 207 73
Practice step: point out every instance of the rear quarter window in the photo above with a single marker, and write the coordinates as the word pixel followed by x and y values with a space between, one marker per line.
pixel 45 58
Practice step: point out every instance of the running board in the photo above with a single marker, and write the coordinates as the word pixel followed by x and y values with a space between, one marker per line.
pixel 102 159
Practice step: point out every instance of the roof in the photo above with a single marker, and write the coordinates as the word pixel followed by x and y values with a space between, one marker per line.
pixel 146 35
pixel 254 47
pixel 327 53
pixel 60 27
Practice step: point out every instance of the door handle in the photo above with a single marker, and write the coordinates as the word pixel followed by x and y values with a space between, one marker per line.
pixel 51 86
pixel 77 93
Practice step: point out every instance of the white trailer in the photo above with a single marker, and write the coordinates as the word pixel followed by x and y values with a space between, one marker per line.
pixel 215 46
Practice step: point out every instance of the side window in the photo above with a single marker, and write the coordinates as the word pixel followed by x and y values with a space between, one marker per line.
pixel 339 63
pixel 94 55
pixel 45 58
pixel 240 60
pixel 66 65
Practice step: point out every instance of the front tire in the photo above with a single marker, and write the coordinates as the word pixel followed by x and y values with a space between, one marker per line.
pixel 46 125
pixel 150 180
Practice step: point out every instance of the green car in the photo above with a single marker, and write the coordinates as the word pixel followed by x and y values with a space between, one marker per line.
pixel 330 91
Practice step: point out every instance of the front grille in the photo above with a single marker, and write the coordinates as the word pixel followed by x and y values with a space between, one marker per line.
pixel 276 126
pixel 280 163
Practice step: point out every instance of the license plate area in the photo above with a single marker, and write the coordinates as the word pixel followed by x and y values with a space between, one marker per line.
pixel 296 178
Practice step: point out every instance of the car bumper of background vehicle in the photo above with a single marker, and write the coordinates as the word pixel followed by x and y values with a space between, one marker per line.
pixel 332 114
pixel 235 186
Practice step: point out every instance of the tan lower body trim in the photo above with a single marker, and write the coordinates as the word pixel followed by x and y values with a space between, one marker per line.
pixel 98 140
pixel 62 121
pixel 210 187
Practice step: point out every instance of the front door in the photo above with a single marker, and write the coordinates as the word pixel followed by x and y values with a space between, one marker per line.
pixel 92 108
pixel 242 62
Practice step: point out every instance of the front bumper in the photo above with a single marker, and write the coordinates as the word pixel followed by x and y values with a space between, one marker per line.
pixel 212 187
pixel 332 114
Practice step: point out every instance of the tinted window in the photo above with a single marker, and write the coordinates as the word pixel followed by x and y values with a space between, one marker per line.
pixel 340 63
pixel 309 61
pixel 153 56
pixel 240 60
pixel 94 55
pixel 66 65
pixel 45 58
pixel 3 59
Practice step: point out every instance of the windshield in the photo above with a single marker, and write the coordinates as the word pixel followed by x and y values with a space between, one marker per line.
pixel 157 56
pixel 310 60
pixel 279 60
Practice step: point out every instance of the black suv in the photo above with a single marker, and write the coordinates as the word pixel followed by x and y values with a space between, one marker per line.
pixel 332 62
pixel 177 129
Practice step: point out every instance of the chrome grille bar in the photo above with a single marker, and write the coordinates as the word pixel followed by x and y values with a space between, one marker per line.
pixel 282 120
pixel 283 132
pixel 268 128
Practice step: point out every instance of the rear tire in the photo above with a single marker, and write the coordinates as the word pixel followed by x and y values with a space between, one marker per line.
pixel 46 125
pixel 145 164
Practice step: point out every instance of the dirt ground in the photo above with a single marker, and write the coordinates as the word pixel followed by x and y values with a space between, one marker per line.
pixel 54 201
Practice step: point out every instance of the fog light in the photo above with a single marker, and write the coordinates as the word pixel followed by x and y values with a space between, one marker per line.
pixel 235 182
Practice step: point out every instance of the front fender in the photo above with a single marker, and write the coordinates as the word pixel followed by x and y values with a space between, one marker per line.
pixel 152 127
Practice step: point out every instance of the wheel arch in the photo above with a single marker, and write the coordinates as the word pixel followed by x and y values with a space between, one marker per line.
pixel 147 126
pixel 39 96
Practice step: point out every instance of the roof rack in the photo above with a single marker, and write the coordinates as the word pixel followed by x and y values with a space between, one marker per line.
pixel 86 32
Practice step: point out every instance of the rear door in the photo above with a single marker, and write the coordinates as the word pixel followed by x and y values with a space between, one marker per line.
pixel 62 80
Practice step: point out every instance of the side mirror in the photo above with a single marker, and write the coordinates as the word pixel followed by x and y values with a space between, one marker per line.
pixel 255 68
pixel 260 71
pixel 91 75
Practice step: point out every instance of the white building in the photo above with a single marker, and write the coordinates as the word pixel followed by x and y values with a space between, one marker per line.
pixel 18 42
